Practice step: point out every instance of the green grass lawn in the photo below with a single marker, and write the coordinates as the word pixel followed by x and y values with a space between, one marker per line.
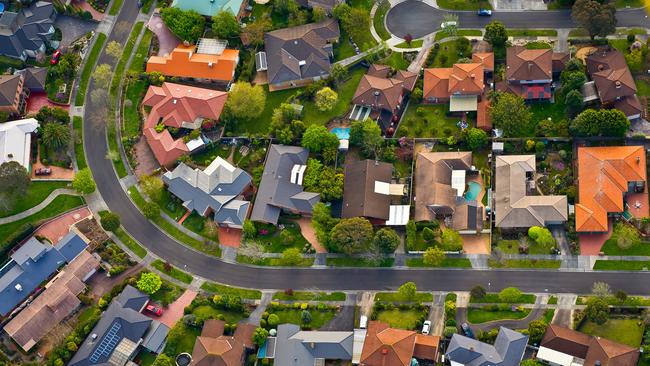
pixel 448 55
pixel 130 243
pixel 145 358
pixel 610 248
pixel 447 262
pixel 310 296
pixel 378 20
pixel 359 262
pixel 131 121
pixel 643 87
pixel 8 62
pixel 364 40
pixel 433 122
pixel 343 49
pixel 461 33
pixel 512 247
pixel 36 193
pixel 174 272
pixel 626 331
pixel 293 316
pixel 227 290
pixel 395 297
pixel 273 242
pixel 396 61
pixel 181 339
pixel 494 299
pixel 526 263
pixel 604 265
pixel 477 316
pixel 80 155
pixel 89 66
pixel 464 4
pixel 414 44
pixel 115 8
pixel 167 294
pixel 209 312
pixel 630 3
pixel 532 33
pixel 548 315
pixel 552 300
pixel 272 262
pixel 402 319
pixel 138 63
pixel 126 53
pixel 542 111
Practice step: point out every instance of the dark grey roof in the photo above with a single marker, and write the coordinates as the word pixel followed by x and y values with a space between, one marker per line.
pixel 119 321
pixel 300 52
pixel 216 188
pixel 30 265
pixel 34 78
pixel 28 30
pixel 71 245
pixel 295 347
pixel 508 349
pixel 8 89
pixel 276 191
pixel 154 341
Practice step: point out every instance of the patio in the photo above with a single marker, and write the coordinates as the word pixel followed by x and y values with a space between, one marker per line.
pixel 590 244
pixel 60 226
pixel 37 101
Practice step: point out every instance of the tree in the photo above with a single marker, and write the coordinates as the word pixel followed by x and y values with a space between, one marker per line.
pixel 249 229
pixel 604 122
pixel 324 180
pixel 149 283
pixel 510 113
pixel 225 25
pixel 254 32
pixel 323 222
pixel 476 138
pixel 259 336
pixel 510 294
pixel 110 221
pixel 245 101
pixel 627 236
pixel 354 21
pixel 186 25
pixel 496 34
pixel 478 292
pixel 433 256
pixel 407 291
pixel 574 103
pixel 318 14
pixel 352 236
pixel 285 7
pixel 572 80
pixel 273 320
pixel 408 38
pixel 428 235
pixel 596 18
pixel 338 73
pixel 541 236
pixel 325 99
pixel 102 75
pixel 536 330
pixel 305 317
pixel 451 240
pixel 83 181
pixel 152 186
pixel 316 138
pixel 14 182
pixel 386 240
pixel 291 257
pixel 114 49
pixel 597 309
pixel 163 360
pixel 367 135
pixel 56 136
pixel 151 210
pixel 621 296
pixel 601 289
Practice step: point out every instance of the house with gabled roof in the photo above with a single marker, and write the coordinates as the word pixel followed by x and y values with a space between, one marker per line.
pixel 508 350
pixel 515 205
pixel 607 178
pixel 386 346
pixel 212 347
pixel 28 32
pixel 16 141
pixel 13 94
pixel 215 190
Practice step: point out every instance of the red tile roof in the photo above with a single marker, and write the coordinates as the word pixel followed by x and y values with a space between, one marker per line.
pixel 385 346
pixel 185 62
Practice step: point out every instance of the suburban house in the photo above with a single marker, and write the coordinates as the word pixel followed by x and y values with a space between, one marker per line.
pixel 35 78
pixel 566 347
pixel 612 83
pixel 368 192
pixel 385 346
pixel 58 300
pixel 121 333
pixel 29 32
pixel 441 182
pixel 298 56
pixel 209 61
pixel 13 94
pixel 281 186
pixel 32 264
pixel 178 106
pixel 212 347
pixel 529 72
pixel 292 346
pixel 16 141
pixel 215 190
pixel 210 8
pixel 515 205
pixel 381 96
pixel 508 350
pixel 608 179
pixel 462 86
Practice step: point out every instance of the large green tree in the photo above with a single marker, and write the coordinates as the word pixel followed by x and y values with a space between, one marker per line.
pixel 245 101
pixel 149 283
pixel 510 295
pixel 386 240
pixel 225 25
pixel 324 180
pixel 496 34
pixel 14 182
pixel 352 236
pixel 476 138
pixel 323 222
pixel 325 99
pixel 407 291
pixel 597 310
pixel 367 135
pixel 188 25
pixel 596 18
pixel 317 138
pixel 604 122
pixel 56 136
pixel 541 236
pixel 511 114
pixel 83 181
pixel 433 256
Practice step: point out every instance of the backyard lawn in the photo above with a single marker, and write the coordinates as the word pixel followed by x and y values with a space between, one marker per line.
pixel 432 121
pixel 181 339
pixel 402 319
pixel 396 61
pixel 643 87
pixel 36 193
pixel 477 316
pixel 626 331
pixel 542 111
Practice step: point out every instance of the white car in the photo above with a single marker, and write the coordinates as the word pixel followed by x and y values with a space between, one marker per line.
pixel 426 327
pixel 363 322
pixel 444 25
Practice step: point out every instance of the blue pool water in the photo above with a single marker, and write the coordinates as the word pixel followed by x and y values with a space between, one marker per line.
pixel 343 133
pixel 473 191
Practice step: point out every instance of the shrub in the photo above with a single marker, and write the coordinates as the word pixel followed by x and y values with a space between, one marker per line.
pixel 273 320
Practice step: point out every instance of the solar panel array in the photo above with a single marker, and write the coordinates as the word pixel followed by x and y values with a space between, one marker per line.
pixel 211 46
pixel 108 343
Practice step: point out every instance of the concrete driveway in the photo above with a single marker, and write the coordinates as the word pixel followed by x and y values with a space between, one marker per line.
pixel 73 28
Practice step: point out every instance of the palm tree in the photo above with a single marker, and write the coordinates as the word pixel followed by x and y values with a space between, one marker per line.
pixel 56 136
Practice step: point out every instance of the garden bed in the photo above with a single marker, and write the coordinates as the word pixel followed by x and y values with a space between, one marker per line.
pixel 447 263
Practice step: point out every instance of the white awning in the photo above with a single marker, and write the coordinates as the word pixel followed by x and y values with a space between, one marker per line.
pixel 458 181
pixel 398 215
pixel 195 143
pixel 396 189
pixel 463 103
pixel 344 144
pixel 558 358
pixel 382 187
pixel 357 345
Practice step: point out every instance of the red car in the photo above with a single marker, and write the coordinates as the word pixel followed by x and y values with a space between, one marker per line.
pixel 154 309
pixel 43 171
pixel 55 57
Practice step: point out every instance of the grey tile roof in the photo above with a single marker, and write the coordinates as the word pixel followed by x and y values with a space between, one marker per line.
pixel 295 347
pixel 154 341
pixel 34 78
pixel 28 30
pixel 70 246
pixel 276 192
pixel 216 188
pixel 9 85
pixel 508 349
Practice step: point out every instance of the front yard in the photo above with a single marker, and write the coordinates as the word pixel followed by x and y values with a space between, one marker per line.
pixel 492 313
pixel 628 331
pixel 402 317
pixel 433 121
pixel 36 193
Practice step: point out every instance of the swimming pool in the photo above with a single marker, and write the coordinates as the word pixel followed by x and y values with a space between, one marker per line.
pixel 343 133
pixel 473 191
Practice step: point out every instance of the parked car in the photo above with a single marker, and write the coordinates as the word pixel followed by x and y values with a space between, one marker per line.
pixel 363 322
pixel 55 57
pixel 484 12
pixel 444 25
pixel 426 327
pixel 43 171
pixel 154 309
pixel 467 330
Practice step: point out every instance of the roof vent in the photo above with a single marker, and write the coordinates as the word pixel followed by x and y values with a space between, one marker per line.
pixel 384 351
pixel 473 76
pixel 618 84
pixel 210 64
pixel 530 66
pixel 377 93
pixel 601 67
pixel 302 63
pixel 174 101
pixel 19 287
pixel 93 336
pixel 638 160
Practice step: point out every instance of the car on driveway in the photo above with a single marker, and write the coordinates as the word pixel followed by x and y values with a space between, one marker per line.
pixel 484 12
pixel 43 171
pixel 55 57
pixel 467 330
pixel 154 309
pixel 426 327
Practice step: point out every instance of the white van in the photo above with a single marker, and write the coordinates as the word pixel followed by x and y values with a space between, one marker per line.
pixel 363 322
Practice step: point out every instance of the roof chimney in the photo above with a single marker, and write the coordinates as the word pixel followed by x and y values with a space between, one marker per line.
pixel 473 76
pixel 19 287
pixel 601 67
pixel 530 66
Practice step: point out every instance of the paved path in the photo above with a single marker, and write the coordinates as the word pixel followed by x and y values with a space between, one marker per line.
pixel 175 311
pixel 308 232
pixel 437 313
pixel 256 315
pixel 55 193
pixel 537 311
pixel 564 313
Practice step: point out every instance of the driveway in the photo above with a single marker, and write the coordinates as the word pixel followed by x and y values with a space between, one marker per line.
pixel 166 39
pixel 343 321
pixel 73 28
pixel 174 311
pixel 461 317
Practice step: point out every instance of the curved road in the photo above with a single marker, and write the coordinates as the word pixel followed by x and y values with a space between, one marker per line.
pixel 419 19
pixel 305 278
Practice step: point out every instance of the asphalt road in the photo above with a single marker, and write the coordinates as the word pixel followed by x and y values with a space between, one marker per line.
pixel 309 278
pixel 419 19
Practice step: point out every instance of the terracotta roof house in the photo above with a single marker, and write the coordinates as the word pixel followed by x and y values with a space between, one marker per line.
pixel 209 61
pixel 210 8
pixel 515 206
pixel 384 94
pixel 385 346
pixel 29 32
pixel 440 190
pixel 178 106
pixel 529 72
pixel 567 347
pixel 281 185
pixel 368 192
pixel 605 176
pixel 484 58
pixel 215 190
pixel 212 347
pixel 13 94
pixel 121 332
pixel 54 304
pixel 298 56
pixel 508 350
pixel 615 86
pixel 16 141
